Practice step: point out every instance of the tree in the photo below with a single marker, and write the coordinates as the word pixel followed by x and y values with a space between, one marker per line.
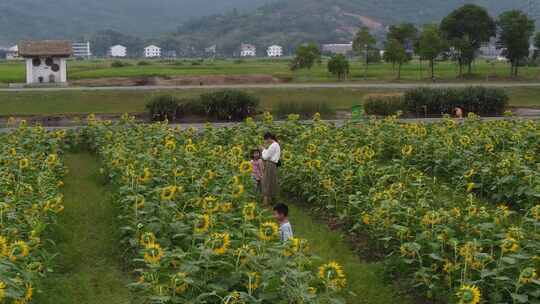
pixel 405 33
pixel 515 32
pixel 467 28
pixel 339 65
pixel 396 54
pixel 536 45
pixel 430 45
pixel 306 57
pixel 363 43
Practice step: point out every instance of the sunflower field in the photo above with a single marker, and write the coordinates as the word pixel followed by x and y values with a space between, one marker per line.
pixel 31 174
pixel 192 225
pixel 454 205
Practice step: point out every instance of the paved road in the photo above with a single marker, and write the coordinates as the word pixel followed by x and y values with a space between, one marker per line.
pixel 285 86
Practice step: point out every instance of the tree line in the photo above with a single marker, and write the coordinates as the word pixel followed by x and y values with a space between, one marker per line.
pixel 459 36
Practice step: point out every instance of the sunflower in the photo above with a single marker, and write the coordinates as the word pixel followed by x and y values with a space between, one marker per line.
pixel 536 212
pixel 153 253
pixel 4 246
pixel 170 144
pixel 233 298
pixel 28 294
pixel 24 163
pixel 51 159
pixel 178 282
pixel 145 176
pixel 311 148
pixel 366 219
pixel 226 207
pixel 2 291
pixel 249 211
pixel 190 148
pixel 168 193
pixel 527 275
pixel 210 204
pixel 268 231
pixel 19 248
pixel 294 246
pixel 238 191
pixel 202 224
pixel 328 184
pixel 245 167
pixel 465 140
pixel 469 294
pixel 407 150
pixel 469 173
pixel 224 241
pixel 254 281
pixel 332 274
pixel 488 148
pixel 509 244
pixel 147 239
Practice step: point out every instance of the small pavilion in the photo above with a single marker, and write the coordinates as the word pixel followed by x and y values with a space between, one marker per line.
pixel 45 61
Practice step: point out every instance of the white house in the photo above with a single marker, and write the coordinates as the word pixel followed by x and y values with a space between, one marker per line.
pixel 337 48
pixel 118 51
pixel 81 49
pixel 12 53
pixel 248 50
pixel 45 60
pixel 274 51
pixel 152 51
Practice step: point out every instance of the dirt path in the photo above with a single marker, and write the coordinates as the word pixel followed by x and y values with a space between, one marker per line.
pixel 89 269
pixel 365 279
pixel 349 85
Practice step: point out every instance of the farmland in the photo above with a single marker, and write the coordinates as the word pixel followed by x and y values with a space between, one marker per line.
pixel 449 208
pixel 120 101
pixel 13 72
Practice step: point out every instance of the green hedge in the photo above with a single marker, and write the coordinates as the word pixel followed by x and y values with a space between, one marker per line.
pixel 230 105
pixel 437 101
pixel 384 104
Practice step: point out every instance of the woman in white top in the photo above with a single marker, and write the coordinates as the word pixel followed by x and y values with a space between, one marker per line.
pixel 270 155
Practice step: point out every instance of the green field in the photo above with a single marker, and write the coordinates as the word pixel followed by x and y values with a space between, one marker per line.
pixel 13 71
pixel 63 102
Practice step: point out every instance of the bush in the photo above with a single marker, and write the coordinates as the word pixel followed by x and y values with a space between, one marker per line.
pixel 304 109
pixel 384 104
pixel 228 105
pixel 141 63
pixel 119 64
pixel 479 100
pixel 163 107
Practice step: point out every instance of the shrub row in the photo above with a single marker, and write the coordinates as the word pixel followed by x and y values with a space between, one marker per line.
pixel 231 105
pixel 437 101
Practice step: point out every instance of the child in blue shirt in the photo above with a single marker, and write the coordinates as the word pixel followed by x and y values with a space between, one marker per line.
pixel 281 214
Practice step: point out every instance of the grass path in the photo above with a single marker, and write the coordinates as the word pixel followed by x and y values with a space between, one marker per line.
pixel 88 268
pixel 364 279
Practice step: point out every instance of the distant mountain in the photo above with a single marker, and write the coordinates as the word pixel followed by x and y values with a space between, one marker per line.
pixel 290 22
pixel 76 18
pixel 189 26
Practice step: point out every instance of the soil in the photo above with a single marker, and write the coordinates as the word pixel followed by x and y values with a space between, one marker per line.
pixel 178 80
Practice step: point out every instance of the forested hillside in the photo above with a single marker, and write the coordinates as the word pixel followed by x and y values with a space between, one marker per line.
pixel 189 26
pixel 74 18
pixel 289 22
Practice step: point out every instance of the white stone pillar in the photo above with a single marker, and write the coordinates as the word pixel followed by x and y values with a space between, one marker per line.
pixel 29 71
pixel 63 70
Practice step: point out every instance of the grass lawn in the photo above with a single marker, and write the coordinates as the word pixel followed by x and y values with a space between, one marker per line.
pixel 365 280
pixel 134 101
pixel 58 102
pixel 14 71
pixel 88 269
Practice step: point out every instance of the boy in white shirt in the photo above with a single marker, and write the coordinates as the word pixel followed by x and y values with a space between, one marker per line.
pixel 281 214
